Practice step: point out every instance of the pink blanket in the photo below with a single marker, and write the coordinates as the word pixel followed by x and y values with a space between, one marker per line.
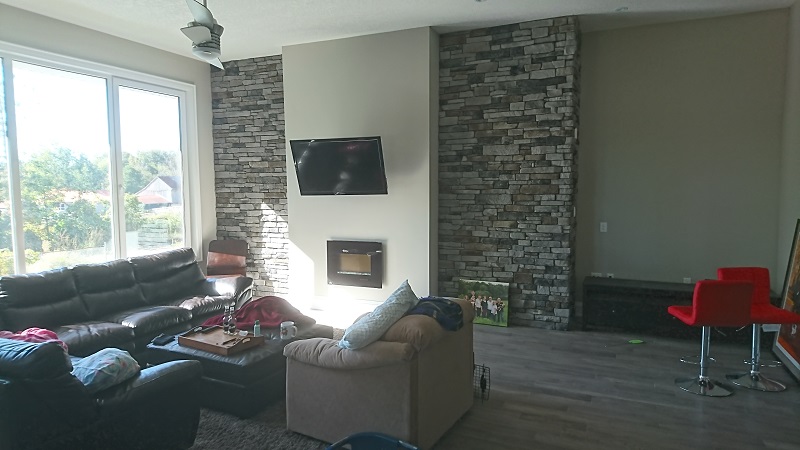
pixel 270 311
pixel 34 335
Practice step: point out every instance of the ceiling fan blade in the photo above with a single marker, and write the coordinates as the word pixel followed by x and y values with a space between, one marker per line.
pixel 217 63
pixel 197 33
pixel 200 13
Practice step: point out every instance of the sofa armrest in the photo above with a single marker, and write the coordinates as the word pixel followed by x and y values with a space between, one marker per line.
pixel 152 382
pixel 238 288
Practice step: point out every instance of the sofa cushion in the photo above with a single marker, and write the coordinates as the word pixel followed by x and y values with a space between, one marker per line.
pixel 323 352
pixel 85 338
pixel 369 328
pixel 108 287
pixel 43 300
pixel 151 319
pixel 104 369
pixel 165 277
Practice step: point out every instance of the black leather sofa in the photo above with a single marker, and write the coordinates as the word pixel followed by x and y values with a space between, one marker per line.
pixel 43 406
pixel 123 303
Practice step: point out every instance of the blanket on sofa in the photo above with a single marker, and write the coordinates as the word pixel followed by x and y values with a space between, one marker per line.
pixel 34 335
pixel 270 311
pixel 447 312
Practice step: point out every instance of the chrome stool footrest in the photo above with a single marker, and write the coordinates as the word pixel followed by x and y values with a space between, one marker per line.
pixel 750 362
pixel 695 359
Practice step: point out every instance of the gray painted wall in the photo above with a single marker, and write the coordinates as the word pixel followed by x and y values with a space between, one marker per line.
pixel 680 147
pixel 790 157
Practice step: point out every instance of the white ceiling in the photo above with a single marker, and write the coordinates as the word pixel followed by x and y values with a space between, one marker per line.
pixel 262 27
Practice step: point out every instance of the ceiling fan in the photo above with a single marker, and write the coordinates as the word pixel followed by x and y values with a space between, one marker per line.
pixel 204 31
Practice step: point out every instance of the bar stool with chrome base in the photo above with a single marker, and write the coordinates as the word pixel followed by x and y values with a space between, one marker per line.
pixel 761 312
pixel 715 303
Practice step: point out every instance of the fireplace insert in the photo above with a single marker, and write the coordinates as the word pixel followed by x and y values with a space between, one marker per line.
pixel 355 263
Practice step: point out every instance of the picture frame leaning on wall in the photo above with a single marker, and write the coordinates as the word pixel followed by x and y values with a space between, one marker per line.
pixel 787 340
pixel 488 298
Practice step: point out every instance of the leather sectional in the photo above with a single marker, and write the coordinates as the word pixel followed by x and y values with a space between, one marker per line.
pixel 44 407
pixel 123 303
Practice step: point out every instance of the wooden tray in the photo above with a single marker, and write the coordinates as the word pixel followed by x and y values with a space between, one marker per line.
pixel 216 341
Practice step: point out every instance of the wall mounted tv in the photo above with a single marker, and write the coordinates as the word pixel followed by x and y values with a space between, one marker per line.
pixel 344 166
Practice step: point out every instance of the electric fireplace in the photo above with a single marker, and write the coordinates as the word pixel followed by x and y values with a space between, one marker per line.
pixel 355 263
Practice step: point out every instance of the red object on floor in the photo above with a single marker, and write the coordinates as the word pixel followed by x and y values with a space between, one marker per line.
pixel 270 311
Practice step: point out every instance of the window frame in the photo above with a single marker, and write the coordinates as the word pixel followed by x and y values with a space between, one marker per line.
pixel 115 77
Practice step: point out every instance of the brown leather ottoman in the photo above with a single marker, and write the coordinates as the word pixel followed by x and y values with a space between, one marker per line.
pixel 243 383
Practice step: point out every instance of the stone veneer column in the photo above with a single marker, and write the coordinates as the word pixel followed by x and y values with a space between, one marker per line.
pixel 507 164
pixel 250 166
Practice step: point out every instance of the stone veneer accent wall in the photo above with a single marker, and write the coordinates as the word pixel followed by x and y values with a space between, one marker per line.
pixel 507 164
pixel 250 166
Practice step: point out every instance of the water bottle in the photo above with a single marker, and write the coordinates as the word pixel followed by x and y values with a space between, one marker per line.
pixel 226 321
pixel 257 328
pixel 232 322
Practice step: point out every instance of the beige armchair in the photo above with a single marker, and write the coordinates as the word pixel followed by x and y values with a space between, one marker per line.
pixel 413 384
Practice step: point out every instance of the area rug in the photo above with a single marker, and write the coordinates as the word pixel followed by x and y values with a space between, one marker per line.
pixel 266 430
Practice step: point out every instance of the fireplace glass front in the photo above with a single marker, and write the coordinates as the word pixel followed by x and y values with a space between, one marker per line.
pixel 355 263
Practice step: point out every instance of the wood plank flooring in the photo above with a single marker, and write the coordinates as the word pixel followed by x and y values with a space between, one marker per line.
pixel 594 390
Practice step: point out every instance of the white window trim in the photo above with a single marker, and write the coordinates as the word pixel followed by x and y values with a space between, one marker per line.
pixel 114 76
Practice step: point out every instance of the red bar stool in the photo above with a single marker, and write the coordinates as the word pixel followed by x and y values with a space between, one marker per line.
pixel 761 312
pixel 715 304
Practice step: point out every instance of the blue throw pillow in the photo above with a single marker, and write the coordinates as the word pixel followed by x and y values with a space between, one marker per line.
pixel 105 368
pixel 370 327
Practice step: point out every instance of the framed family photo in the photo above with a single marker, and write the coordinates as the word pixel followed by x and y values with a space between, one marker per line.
pixel 787 341
pixel 489 298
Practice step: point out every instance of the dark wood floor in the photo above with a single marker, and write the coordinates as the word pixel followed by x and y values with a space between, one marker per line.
pixel 594 390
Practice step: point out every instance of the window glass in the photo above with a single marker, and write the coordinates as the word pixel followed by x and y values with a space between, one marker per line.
pixel 6 247
pixel 150 135
pixel 92 163
pixel 63 148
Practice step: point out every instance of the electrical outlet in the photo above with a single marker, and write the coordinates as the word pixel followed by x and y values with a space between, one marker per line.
pixel 603 227
pixel 609 275
pixel 596 274
pixel 687 280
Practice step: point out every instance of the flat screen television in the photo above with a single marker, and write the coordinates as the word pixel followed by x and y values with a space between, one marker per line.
pixel 341 166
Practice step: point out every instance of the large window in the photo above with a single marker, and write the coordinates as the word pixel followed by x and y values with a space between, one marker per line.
pixel 92 166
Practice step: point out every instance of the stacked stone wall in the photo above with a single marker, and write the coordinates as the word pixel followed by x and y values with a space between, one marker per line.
pixel 508 164
pixel 250 166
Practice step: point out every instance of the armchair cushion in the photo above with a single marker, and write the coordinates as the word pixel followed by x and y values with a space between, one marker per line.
pixel 104 369
pixel 417 330
pixel 323 352
pixel 370 327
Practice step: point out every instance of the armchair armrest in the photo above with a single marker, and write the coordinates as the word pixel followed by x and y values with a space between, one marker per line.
pixel 240 288
pixel 161 381
pixel 159 408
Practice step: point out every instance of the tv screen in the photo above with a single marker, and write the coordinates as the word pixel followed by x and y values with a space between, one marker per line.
pixel 347 166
